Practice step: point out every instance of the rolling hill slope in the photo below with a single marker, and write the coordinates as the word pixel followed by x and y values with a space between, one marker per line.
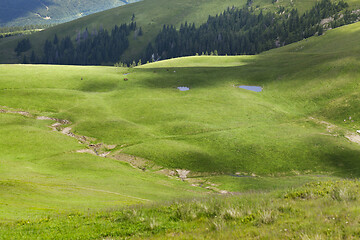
pixel 20 12
pixel 78 142
pixel 300 128
pixel 310 88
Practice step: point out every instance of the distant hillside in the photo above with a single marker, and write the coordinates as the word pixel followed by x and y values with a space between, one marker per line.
pixel 151 16
pixel 30 12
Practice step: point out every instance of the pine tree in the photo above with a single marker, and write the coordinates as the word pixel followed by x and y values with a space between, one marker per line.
pixel 33 57
pixel 56 40
pixel 23 46
pixel 25 60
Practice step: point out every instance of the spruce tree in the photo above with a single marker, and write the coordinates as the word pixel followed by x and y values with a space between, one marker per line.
pixel 33 57
pixel 56 40
pixel 25 60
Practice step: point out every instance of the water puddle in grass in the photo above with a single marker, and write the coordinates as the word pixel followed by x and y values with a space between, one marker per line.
pixel 252 88
pixel 183 88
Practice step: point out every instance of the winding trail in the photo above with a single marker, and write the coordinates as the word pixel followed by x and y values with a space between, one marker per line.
pixel 331 129
pixel 353 137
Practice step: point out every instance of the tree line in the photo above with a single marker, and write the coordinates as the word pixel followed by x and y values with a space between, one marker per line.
pixel 234 31
pixel 242 31
pixel 89 48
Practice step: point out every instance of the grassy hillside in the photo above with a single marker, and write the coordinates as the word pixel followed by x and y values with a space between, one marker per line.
pixel 214 127
pixel 300 128
pixel 42 174
pixel 30 12
pixel 151 15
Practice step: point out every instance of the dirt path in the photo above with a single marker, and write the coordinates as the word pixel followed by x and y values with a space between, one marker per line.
pixel 332 130
pixel 353 137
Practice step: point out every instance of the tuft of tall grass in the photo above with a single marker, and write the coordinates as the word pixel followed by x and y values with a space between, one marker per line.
pixel 343 194
pixel 267 216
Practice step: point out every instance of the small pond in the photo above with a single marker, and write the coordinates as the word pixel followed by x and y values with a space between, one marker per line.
pixel 252 88
pixel 183 88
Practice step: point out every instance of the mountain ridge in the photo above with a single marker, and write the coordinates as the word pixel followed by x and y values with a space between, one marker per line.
pixel 38 12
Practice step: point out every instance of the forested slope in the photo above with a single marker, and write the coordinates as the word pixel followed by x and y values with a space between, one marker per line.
pixel 150 17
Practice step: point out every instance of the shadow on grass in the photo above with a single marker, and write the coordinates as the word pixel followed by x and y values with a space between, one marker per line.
pixel 97 86
pixel 262 69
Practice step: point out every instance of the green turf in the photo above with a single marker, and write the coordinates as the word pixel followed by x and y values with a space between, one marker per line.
pixel 41 174
pixel 214 127
pixel 247 183
pixel 320 210
pixel 215 130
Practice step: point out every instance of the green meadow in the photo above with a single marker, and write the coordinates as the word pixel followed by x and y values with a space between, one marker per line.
pixel 295 131
pixel 298 213
pixel 42 174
